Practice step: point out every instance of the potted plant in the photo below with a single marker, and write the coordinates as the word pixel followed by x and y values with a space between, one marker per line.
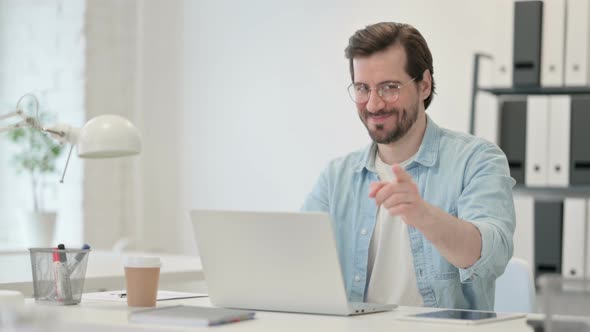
pixel 37 157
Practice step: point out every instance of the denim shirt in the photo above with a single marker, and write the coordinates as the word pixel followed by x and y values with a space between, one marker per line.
pixel 463 175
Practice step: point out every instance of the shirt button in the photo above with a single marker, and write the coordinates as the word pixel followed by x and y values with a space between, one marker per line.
pixel 357 278
pixel 363 231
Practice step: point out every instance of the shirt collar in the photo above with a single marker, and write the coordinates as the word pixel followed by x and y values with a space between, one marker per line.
pixel 427 153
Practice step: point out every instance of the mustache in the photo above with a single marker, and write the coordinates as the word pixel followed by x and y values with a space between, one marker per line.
pixel 384 113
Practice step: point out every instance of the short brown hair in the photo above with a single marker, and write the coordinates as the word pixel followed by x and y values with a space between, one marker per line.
pixel 378 37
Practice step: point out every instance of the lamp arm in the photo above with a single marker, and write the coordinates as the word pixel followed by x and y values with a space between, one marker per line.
pixel 16 114
pixel 14 126
pixel 63 133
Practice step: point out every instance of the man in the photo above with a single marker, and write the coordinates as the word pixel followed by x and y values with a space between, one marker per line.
pixel 423 215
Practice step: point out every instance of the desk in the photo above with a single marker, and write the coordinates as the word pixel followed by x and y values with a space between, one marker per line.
pixel 105 272
pixel 112 316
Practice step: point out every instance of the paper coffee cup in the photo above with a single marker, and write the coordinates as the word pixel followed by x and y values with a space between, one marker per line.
pixel 142 275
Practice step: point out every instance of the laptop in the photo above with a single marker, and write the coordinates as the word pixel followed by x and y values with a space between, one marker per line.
pixel 274 261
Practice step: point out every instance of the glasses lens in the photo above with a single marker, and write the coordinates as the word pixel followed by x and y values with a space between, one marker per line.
pixel 358 93
pixel 389 92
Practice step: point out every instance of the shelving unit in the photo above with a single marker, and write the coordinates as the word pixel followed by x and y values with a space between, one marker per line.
pixel 576 190
pixel 537 91
pixel 546 199
pixel 552 193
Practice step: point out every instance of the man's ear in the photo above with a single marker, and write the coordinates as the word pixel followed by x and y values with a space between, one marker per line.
pixel 425 84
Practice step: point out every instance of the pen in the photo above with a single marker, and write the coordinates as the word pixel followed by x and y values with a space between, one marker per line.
pixel 64 274
pixel 57 271
pixel 78 258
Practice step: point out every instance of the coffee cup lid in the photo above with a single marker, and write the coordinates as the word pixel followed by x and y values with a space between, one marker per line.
pixel 141 261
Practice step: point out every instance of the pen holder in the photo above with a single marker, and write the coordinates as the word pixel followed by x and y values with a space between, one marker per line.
pixel 58 275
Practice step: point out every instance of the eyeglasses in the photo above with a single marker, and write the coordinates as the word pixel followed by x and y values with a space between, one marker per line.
pixel 388 91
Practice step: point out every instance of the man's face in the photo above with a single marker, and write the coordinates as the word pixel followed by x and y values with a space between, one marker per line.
pixel 387 121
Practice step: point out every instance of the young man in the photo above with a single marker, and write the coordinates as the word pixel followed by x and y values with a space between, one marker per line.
pixel 423 215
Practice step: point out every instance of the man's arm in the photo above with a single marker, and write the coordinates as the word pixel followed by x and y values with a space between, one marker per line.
pixel 317 199
pixel 457 240
pixel 485 204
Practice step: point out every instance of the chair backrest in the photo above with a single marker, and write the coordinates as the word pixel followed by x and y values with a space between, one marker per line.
pixel 515 289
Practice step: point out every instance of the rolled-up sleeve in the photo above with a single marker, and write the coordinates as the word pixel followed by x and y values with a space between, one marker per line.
pixel 486 201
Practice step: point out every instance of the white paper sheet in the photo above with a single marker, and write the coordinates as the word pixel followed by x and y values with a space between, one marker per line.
pixel 120 296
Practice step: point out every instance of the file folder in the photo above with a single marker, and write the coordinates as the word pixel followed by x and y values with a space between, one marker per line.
pixel 559 141
pixel 536 140
pixel 553 43
pixel 587 239
pixel 574 228
pixel 503 43
pixel 580 136
pixel 487 117
pixel 548 237
pixel 528 17
pixel 577 70
pixel 524 240
pixel 513 131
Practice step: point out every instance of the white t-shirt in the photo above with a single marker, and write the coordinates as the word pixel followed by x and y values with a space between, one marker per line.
pixel 390 270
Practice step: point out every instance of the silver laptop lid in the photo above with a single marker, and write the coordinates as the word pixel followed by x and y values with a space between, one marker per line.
pixel 270 261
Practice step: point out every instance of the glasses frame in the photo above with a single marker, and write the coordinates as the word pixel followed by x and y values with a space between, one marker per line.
pixel 379 91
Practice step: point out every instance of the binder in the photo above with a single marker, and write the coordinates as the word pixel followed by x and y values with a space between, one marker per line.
pixel 577 70
pixel 524 240
pixel 580 136
pixel 527 43
pixel 548 237
pixel 537 124
pixel 513 131
pixel 503 43
pixel 587 244
pixel 574 221
pixel 559 141
pixel 487 117
pixel 553 43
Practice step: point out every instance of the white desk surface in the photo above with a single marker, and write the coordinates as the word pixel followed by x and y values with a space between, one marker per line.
pixel 113 316
pixel 104 270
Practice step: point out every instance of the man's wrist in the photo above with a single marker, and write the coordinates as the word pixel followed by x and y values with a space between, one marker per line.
pixel 432 220
pixel 428 218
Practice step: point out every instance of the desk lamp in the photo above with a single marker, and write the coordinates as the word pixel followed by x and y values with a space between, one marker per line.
pixel 104 136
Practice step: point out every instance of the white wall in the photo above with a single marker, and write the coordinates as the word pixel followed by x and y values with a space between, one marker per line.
pixel 263 95
pixel 110 197
pixel 160 218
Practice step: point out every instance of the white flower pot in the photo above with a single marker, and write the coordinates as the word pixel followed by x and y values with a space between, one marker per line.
pixel 39 229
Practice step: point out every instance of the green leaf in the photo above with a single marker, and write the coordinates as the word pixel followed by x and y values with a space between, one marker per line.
pixel 17 134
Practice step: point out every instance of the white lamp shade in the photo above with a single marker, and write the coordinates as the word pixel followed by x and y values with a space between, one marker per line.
pixel 108 136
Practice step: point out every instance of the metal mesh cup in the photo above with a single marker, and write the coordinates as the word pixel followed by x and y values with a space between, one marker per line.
pixel 58 275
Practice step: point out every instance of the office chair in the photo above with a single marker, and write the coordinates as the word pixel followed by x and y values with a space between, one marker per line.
pixel 515 289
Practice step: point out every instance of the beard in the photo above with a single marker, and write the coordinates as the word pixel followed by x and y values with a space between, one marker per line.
pixel 404 120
